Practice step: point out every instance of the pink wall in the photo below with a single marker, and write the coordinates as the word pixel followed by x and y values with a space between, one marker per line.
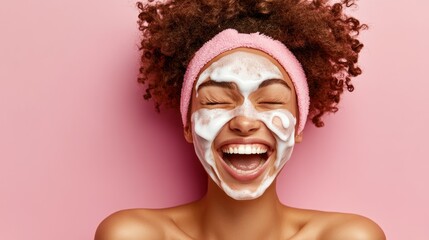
pixel 77 142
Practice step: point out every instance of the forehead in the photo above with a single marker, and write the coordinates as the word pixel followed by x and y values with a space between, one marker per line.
pixel 245 65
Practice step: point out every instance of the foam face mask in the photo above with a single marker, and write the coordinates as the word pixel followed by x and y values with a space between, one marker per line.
pixel 247 71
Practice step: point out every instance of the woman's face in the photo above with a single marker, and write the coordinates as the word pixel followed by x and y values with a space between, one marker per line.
pixel 243 121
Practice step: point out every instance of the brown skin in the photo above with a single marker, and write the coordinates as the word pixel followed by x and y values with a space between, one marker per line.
pixel 218 216
pixel 262 218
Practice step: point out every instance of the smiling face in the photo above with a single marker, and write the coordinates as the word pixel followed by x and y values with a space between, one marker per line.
pixel 243 121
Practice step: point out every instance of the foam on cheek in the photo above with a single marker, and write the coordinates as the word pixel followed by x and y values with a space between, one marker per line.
pixel 284 133
pixel 247 71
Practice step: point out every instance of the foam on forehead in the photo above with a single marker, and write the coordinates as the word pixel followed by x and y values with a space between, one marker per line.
pixel 248 70
pixel 230 39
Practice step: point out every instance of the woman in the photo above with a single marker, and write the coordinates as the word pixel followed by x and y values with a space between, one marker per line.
pixel 247 75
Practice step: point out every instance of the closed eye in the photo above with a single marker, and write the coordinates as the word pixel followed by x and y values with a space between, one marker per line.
pixel 272 103
pixel 215 103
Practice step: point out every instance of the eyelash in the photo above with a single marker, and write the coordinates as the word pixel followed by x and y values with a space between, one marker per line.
pixel 272 103
pixel 225 103
pixel 214 103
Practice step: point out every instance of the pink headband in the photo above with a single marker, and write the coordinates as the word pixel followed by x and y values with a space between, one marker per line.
pixel 230 39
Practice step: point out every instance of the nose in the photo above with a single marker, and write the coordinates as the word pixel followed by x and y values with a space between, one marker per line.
pixel 244 125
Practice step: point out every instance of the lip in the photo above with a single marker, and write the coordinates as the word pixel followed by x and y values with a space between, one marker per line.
pixel 249 175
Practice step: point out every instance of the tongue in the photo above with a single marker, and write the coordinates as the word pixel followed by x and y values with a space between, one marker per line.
pixel 245 162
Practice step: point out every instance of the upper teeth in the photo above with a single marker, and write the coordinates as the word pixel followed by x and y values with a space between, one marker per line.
pixel 245 149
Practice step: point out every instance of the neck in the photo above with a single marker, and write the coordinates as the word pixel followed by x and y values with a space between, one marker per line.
pixel 227 218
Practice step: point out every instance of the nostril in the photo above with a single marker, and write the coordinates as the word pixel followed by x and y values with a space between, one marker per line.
pixel 244 124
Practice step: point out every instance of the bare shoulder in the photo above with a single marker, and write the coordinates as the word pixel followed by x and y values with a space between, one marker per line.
pixel 340 226
pixel 156 224
pixel 351 226
pixel 137 224
pixel 334 226
pixel 132 224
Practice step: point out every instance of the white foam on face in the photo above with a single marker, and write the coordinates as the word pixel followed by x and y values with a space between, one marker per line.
pixel 247 70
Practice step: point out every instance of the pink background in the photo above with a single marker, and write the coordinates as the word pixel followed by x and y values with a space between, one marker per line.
pixel 77 142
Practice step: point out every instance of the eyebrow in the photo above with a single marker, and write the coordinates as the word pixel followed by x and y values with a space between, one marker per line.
pixel 273 81
pixel 227 85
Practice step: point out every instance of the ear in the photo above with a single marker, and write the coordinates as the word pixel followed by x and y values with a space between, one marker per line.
pixel 298 138
pixel 187 132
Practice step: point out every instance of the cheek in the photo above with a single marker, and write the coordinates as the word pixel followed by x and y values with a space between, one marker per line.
pixel 208 123
pixel 281 122
pixel 277 123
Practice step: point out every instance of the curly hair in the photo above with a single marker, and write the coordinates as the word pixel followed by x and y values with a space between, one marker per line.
pixel 321 36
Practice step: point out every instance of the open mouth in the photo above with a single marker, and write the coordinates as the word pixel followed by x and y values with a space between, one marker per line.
pixel 245 161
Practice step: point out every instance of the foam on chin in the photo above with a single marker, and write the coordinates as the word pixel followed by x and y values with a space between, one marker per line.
pixel 247 71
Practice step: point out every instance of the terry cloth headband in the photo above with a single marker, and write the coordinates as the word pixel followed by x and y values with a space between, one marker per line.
pixel 230 39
